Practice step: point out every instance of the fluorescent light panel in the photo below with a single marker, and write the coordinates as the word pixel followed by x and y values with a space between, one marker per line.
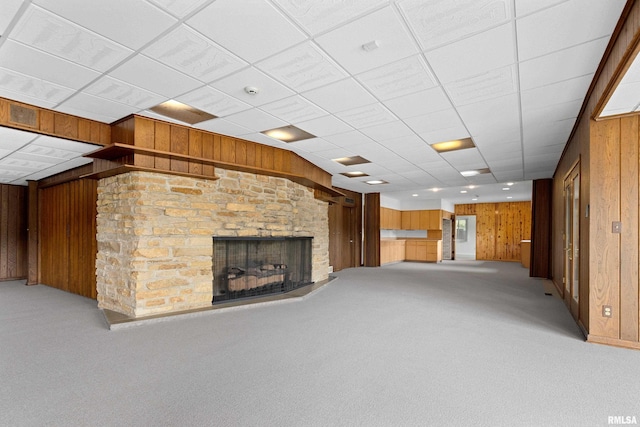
pixel 350 161
pixel 182 112
pixel 457 144
pixel 288 134
pixel 354 174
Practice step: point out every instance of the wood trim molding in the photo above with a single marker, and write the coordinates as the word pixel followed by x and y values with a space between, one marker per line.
pixel 613 341
pixel 32 234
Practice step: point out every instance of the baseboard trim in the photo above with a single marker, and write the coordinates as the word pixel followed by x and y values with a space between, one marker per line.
pixel 613 342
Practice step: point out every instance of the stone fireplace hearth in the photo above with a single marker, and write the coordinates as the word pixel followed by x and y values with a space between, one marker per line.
pixel 154 234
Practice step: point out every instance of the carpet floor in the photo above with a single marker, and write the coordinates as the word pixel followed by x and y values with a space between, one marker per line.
pixel 459 343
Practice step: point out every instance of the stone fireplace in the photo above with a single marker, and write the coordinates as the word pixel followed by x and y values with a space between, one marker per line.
pixel 245 267
pixel 154 234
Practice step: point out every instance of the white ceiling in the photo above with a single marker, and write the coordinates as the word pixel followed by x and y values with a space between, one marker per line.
pixel 511 74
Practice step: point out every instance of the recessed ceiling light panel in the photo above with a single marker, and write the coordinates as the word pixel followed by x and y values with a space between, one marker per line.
pixel 182 112
pixel 376 182
pixel 457 144
pixel 288 134
pixel 350 161
pixel 354 174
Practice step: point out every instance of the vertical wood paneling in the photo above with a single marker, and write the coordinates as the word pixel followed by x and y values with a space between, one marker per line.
pixel 499 228
pixel 372 230
pixel 195 150
pixel 227 149
pixel 13 232
pixel 629 202
pixel 540 262
pixel 144 136
pixel 33 226
pixel 180 145
pixel 207 153
pixel 162 143
pixel 267 157
pixel 68 244
pixel 604 245
pixel 241 152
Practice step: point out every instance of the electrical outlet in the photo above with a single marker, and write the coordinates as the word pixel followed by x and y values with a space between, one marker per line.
pixel 606 311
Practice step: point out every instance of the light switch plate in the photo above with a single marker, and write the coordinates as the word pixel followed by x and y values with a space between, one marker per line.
pixel 616 227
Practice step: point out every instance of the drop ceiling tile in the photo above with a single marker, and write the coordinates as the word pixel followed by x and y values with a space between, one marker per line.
pixel 31 90
pixel 314 145
pixel 251 29
pixel 188 51
pixel 294 109
pixel 213 101
pixel 269 89
pixel 349 139
pixel 39 152
pixel 324 126
pixel 562 65
pixel 345 43
pixel 130 23
pixel 558 93
pixel 368 115
pixel 496 113
pixel 481 53
pixel 485 86
pixel 303 67
pixel 265 140
pixel 9 9
pixel 420 103
pixel 124 93
pixel 315 16
pixel 21 58
pixel 95 108
pixel 404 77
pixel 465 159
pixel 54 169
pixel 54 35
pixel 440 22
pixel 153 76
pixel 25 163
pixel 533 118
pixel 335 154
pixel 389 130
pixel 567 24
pixel 63 144
pixel 256 120
pixel 439 120
pixel 548 134
pixel 179 8
pixel 525 7
pixel 12 139
pixel 340 96
pixel 223 127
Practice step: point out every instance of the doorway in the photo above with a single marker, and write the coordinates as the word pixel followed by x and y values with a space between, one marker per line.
pixel 571 238
pixel 465 237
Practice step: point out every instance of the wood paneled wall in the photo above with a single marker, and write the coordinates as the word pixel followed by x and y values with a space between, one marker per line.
pixel 608 153
pixel 207 149
pixel 68 245
pixel 40 120
pixel 499 228
pixel 541 204
pixel 372 230
pixel 13 232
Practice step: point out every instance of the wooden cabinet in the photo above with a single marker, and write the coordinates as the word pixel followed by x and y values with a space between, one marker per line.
pixel 423 250
pixel 391 219
pixel 392 251
pixel 435 220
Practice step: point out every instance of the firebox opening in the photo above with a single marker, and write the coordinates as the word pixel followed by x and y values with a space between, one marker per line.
pixel 245 267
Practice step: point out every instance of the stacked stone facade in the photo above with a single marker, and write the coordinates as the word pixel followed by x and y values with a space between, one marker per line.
pixel 155 233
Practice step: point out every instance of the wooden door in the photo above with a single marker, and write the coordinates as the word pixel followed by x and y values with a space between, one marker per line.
pixel 571 237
